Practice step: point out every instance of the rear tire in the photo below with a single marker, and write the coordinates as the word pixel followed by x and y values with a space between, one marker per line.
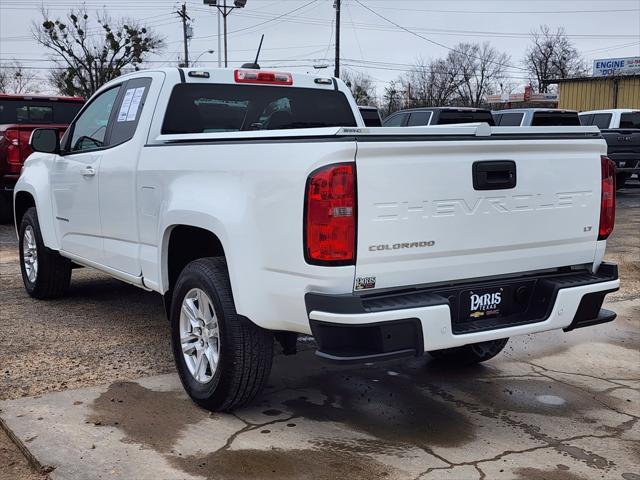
pixel 621 179
pixel 470 354
pixel 6 210
pixel 204 320
pixel 45 273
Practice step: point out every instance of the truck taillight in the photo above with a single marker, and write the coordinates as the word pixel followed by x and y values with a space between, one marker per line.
pixel 608 198
pixel 260 76
pixel 330 215
pixel 12 136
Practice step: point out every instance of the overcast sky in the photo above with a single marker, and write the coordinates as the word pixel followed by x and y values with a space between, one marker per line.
pixel 300 34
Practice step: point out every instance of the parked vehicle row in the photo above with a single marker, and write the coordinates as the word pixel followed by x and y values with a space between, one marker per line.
pixel 621 130
pixel 260 207
pixel 19 116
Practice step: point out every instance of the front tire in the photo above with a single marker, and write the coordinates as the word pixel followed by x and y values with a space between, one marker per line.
pixel 45 273
pixel 6 210
pixel 222 358
pixel 470 354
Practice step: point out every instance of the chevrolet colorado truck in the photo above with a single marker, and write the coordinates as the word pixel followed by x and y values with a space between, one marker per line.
pixel 620 128
pixel 19 116
pixel 261 208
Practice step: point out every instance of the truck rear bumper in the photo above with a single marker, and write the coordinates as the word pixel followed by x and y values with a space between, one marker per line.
pixel 357 328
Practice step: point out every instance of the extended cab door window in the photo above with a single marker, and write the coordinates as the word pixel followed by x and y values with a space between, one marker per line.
pixel 89 131
pixel 126 120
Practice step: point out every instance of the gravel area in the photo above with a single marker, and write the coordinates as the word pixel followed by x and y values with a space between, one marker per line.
pixel 105 330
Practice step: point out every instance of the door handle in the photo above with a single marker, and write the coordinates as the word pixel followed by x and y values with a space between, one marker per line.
pixel 88 172
pixel 494 175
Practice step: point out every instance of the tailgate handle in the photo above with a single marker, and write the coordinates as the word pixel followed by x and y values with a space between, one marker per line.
pixel 494 175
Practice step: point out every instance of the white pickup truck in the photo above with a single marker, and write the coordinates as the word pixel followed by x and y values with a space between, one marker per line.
pixel 260 207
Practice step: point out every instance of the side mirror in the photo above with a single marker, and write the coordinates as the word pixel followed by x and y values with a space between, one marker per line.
pixel 45 140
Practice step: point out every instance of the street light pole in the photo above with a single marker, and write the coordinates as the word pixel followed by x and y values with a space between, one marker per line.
pixel 198 57
pixel 224 10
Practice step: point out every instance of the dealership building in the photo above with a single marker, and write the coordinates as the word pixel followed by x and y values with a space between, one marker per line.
pixel 615 83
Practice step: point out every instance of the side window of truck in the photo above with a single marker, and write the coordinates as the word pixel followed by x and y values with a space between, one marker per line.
pixel 586 120
pixel 419 118
pixel 601 120
pixel 510 120
pixel 129 110
pixel 394 120
pixel 89 130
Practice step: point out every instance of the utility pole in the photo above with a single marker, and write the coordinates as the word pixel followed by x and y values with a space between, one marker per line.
pixel 225 33
pixel 182 13
pixel 219 43
pixel 336 72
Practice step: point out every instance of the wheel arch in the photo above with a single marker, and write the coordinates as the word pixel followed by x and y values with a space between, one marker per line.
pixel 23 201
pixel 184 243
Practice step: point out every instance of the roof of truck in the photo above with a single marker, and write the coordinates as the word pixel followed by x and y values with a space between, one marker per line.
pixel 51 98
pixel 611 110
pixel 525 110
pixel 440 109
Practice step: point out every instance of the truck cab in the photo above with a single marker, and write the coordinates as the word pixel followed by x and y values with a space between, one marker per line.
pixel 418 117
pixel 535 117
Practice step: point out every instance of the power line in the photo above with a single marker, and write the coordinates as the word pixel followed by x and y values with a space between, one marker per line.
pixel 433 41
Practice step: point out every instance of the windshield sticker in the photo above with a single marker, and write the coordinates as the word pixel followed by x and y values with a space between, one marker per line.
pixel 130 104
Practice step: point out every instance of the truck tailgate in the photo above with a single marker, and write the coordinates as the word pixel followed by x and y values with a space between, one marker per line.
pixel 421 219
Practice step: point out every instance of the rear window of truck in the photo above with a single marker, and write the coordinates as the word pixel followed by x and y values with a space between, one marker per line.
pixel 630 120
pixel 203 108
pixel 555 119
pixel 37 111
pixel 452 117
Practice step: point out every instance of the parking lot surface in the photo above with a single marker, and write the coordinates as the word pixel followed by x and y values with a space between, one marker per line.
pixel 87 389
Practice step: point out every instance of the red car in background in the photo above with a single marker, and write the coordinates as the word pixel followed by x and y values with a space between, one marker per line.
pixel 19 116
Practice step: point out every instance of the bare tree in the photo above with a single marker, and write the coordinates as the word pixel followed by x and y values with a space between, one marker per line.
pixel 552 55
pixel 15 78
pixel 361 85
pixel 391 99
pixel 432 83
pixel 87 58
pixel 480 68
